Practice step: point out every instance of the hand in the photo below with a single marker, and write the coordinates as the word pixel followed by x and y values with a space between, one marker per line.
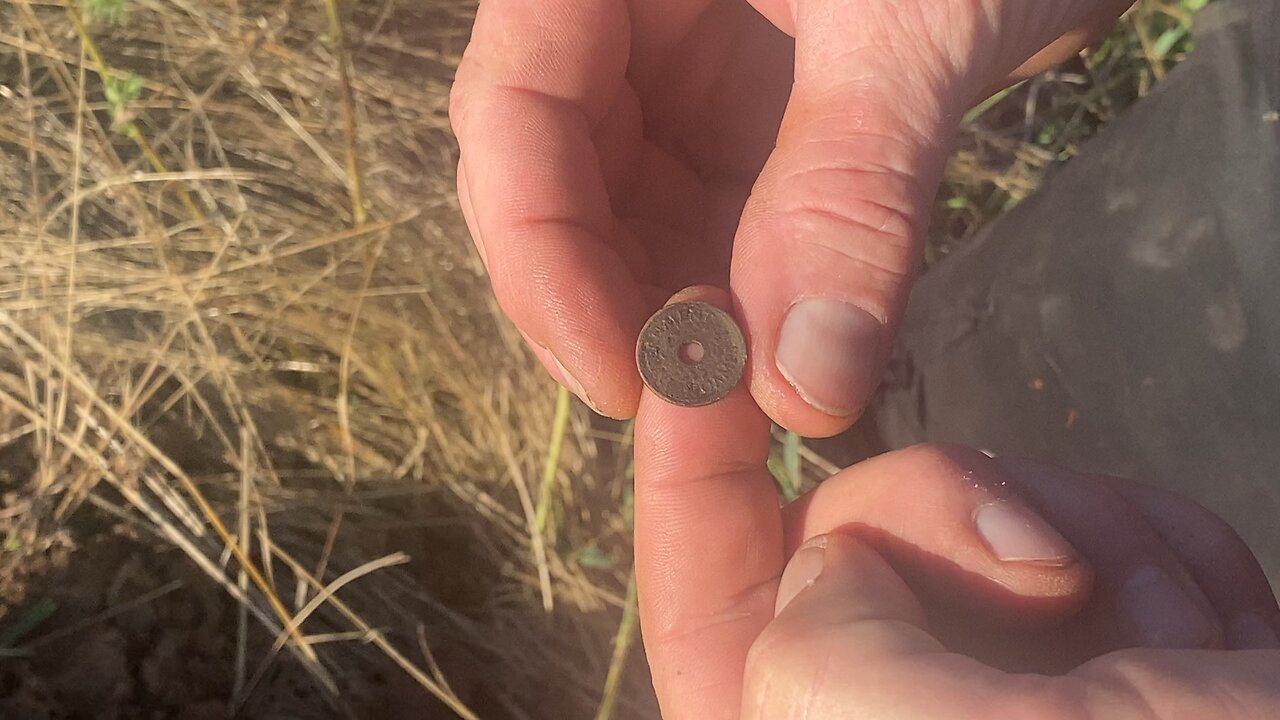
pixel 934 582
pixel 614 151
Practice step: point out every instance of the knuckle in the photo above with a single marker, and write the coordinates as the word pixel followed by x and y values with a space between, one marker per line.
pixel 860 213
pixel 872 194
pixel 458 98
pixel 464 95
pixel 884 270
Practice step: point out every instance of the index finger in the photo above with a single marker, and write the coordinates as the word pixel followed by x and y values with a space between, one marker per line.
pixel 709 544
pixel 538 78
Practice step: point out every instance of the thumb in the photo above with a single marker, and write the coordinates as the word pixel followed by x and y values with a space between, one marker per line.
pixel 849 633
pixel 832 234
pixel 840 607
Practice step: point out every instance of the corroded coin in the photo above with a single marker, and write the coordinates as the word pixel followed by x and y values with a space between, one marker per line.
pixel 691 353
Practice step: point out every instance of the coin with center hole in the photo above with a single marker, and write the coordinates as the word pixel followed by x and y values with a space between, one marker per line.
pixel 691 353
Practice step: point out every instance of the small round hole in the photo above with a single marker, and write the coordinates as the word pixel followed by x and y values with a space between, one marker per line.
pixel 691 353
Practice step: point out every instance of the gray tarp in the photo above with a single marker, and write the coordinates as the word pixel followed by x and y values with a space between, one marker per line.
pixel 1126 318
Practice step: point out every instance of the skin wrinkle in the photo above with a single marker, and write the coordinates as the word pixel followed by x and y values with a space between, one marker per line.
pixel 530 195
pixel 670 466
pixel 762 589
pixel 909 153
pixel 1119 685
pixel 891 226
pixel 1227 707
pixel 897 225
pixel 670 636
pixel 527 223
pixel 896 265
pixel 867 152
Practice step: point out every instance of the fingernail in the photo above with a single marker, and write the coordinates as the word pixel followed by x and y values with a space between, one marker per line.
pixel 1158 612
pixel 1015 534
pixel 801 572
pixel 571 382
pixel 827 350
pixel 1248 631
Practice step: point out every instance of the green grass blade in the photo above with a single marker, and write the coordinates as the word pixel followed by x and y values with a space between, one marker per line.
pixel 621 650
pixel 791 462
pixel 552 466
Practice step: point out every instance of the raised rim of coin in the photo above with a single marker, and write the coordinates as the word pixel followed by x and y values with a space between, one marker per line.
pixel 691 353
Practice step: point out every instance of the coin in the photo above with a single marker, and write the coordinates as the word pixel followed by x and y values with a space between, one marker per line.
pixel 691 353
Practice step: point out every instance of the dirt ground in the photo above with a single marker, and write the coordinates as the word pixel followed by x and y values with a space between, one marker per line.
pixel 248 466
pixel 138 633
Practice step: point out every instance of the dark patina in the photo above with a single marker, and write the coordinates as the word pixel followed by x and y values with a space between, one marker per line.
pixel 691 353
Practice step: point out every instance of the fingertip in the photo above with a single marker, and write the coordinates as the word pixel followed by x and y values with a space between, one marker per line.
pixel 815 361
pixel 784 404
pixel 618 409
pixel 1149 594
pixel 617 398
pixel 946 516
pixel 1219 559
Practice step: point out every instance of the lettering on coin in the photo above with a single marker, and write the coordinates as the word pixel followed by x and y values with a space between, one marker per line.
pixel 691 354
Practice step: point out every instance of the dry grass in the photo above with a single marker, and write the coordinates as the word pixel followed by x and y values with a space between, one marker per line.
pixel 1011 141
pixel 238 313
